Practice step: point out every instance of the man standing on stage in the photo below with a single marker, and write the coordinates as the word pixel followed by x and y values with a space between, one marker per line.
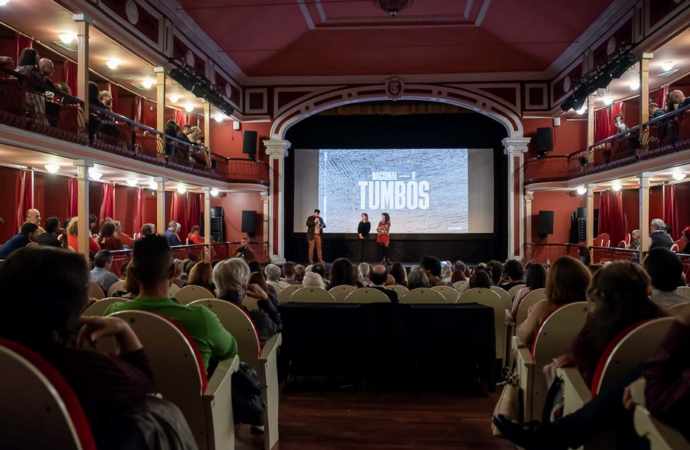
pixel 315 226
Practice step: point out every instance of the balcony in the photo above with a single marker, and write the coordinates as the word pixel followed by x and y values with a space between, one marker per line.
pixel 667 134
pixel 34 106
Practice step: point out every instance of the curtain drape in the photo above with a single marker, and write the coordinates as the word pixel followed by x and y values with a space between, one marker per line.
pixel 72 206
pixel 107 201
pixel 24 195
pixel 69 74
pixel 138 109
pixel 671 210
pixel 194 211
pixel 661 97
pixel 20 43
pixel 611 215
pixel 138 211
pixel 178 213
pixel 115 107
pixel 181 118
pixel 602 118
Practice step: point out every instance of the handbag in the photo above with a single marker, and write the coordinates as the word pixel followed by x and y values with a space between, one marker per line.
pixel 509 401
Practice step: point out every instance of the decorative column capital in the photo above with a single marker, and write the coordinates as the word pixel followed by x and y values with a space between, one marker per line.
pixel 515 146
pixel 83 18
pixel 529 196
pixel 276 148
pixel 83 163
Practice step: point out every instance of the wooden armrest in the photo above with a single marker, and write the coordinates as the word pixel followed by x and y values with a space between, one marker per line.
pixel 637 391
pixel 661 436
pixel 221 376
pixel 220 422
pixel 577 393
pixel 525 357
pixel 270 350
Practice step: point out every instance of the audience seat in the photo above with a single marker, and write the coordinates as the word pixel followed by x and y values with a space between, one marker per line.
pixel 367 295
pixel 174 289
pixel 676 309
pixel 188 294
pixel 528 300
pixel 399 288
pixel 96 291
pixel 206 404
pixel 263 360
pixel 311 295
pixel 283 284
pixel 285 294
pixel 675 248
pixel 248 302
pixel 504 296
pixel 116 286
pixel 99 308
pixel 512 292
pixel 422 295
pixel 659 435
pixel 629 349
pixel 449 293
pixel 489 298
pixel 555 336
pixel 341 292
pixel 461 286
pixel 684 291
pixel 39 409
pixel 275 286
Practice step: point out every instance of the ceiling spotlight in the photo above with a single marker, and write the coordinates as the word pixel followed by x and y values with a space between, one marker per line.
pixel 679 176
pixel 668 65
pixel 189 108
pixel 181 189
pixel 215 192
pixel 153 185
pixel 52 168
pixel 112 64
pixel 131 182
pixel 4 2
pixel 94 174
pixel 147 83
pixel 617 187
pixel 582 110
pixel 581 191
pixel 634 85
pixel 65 38
pixel 174 98
pixel 219 118
pixel 608 100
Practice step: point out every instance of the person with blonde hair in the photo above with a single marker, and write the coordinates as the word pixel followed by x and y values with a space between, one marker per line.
pixel 312 279
pixel 73 237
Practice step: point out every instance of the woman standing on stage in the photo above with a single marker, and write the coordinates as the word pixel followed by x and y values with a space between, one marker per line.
pixel 383 238
pixel 363 230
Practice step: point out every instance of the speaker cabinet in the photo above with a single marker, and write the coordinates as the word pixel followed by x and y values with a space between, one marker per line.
pixel 217 224
pixel 545 224
pixel 544 140
pixel 249 223
pixel 249 142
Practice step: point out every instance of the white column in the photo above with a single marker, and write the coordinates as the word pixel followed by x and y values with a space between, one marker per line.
pixel 277 150
pixel 644 98
pixel 590 121
pixel 207 216
pixel 529 196
pixel 160 205
pixel 515 148
pixel 160 98
pixel 644 211
pixel 265 199
pixel 83 24
pixel 83 205
pixel 590 214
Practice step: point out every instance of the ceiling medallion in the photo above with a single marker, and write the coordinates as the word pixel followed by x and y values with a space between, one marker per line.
pixel 393 7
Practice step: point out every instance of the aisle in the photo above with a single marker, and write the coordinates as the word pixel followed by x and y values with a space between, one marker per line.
pixel 368 419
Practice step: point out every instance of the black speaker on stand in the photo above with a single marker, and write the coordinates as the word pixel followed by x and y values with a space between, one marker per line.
pixel 250 139
pixel 217 224
pixel 545 224
pixel 544 140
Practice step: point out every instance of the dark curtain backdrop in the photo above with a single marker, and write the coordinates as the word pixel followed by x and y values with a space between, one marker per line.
pixel 107 202
pixel 24 195
pixel 138 221
pixel 671 210
pixel 467 130
pixel 72 186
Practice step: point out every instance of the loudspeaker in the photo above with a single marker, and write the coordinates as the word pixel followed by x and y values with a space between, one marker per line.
pixel 249 222
pixel 545 224
pixel 581 213
pixel 217 224
pixel 544 140
pixel 249 144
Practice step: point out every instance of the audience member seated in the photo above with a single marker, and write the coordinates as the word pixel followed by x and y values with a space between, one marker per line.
pixel 73 237
pixel 496 271
pixel 45 317
pixel 417 279
pixel 566 283
pixel 130 288
pixel 399 274
pixel 25 237
pixel 655 111
pixel 364 270
pixel 446 273
pixel 183 135
pixel 677 100
pixel 34 216
pixel 244 251
pixel 343 274
pixel 379 276
pixel 684 242
pixel 618 295
pixel 28 65
pixel 619 123
pixel 658 237
pixel 513 274
pixel 148 229
pixel 107 239
pixel 231 278
pixel 50 237
pixel 194 236
pixel 321 270
pixel 46 67
pixel 289 273
pixel 536 279
pixel 101 273
pixel 202 275
pixel 177 278
pixel 153 268
pixel 432 266
pixel 459 272
pixel 299 273
pixel 665 268
pixel 480 279
pixel 312 279
pixel 272 273
pixel 107 99
pixel 635 240
pixel 260 280
pixel 171 236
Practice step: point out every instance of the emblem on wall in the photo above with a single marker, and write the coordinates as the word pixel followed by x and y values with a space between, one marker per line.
pixel 395 88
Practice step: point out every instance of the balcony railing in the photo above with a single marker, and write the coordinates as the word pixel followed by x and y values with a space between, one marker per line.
pixel 32 105
pixel 667 134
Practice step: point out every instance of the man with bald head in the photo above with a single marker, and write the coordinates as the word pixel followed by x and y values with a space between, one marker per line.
pixel 47 68
pixel 379 276
pixel 34 216
pixel 677 100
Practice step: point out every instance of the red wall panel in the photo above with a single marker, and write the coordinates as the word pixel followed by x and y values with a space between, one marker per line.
pixel 570 137
pixel 8 207
pixel 51 196
pixel 226 141
pixel 233 204
pixel 562 205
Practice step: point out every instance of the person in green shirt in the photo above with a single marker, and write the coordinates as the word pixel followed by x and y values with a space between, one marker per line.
pixel 153 268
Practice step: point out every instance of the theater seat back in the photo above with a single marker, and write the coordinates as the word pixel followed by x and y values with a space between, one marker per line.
pixel 39 409
pixel 188 294
pixel 528 300
pixel 631 347
pixel 340 293
pixel 449 293
pixel 286 293
pixel 367 295
pixel 488 297
pixel 422 295
pixel 311 295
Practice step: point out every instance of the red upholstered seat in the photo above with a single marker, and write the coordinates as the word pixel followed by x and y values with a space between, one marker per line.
pixel 64 391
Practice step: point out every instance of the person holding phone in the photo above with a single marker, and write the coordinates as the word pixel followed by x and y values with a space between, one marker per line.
pixel 363 231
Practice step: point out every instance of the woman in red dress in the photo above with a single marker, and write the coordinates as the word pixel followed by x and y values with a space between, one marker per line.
pixel 195 237
pixel 383 238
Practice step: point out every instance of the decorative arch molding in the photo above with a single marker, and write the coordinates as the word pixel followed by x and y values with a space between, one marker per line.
pixel 467 97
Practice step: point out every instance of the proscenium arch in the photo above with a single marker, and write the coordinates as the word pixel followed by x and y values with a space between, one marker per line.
pixel 482 103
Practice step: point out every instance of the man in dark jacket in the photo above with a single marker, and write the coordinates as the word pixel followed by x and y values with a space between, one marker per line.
pixel 315 226
pixel 658 236
pixel 24 238
pixel 379 275
pixel 49 238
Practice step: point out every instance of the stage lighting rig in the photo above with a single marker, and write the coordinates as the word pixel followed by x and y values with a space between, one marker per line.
pixel 199 86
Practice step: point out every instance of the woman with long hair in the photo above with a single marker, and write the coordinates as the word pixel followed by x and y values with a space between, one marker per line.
pixel 399 274
pixel 107 239
pixel 202 275
pixel 343 273
pixel 363 230
pixel 383 239
pixel 480 279
pixel 194 236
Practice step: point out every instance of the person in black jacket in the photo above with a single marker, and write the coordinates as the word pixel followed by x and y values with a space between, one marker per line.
pixel 658 237
pixel 315 227
pixel 231 278
pixel 363 231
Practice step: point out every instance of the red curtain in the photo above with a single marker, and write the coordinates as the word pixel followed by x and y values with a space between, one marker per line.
pixel 115 107
pixel 23 195
pixel 194 210
pixel 616 108
pixel 661 97
pixel 72 207
pixel 671 210
pixel 107 201
pixel 611 216
pixel 181 118
pixel 138 211
pixel 21 42
pixel 138 109
pixel 69 74
pixel 602 119
pixel 178 213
